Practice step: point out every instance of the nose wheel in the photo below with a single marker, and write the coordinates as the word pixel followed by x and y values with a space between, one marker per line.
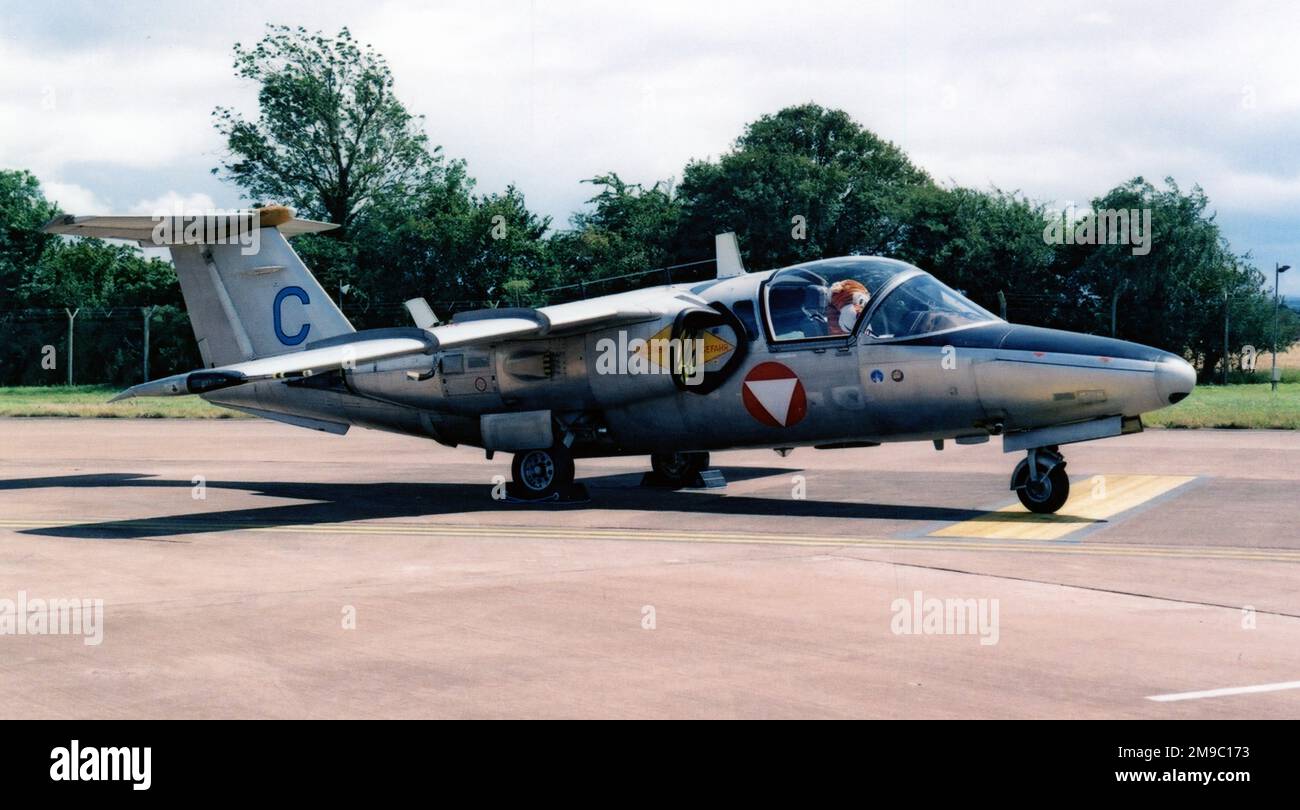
pixel 1040 481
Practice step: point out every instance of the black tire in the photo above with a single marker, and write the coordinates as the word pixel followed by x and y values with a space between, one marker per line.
pixel 542 473
pixel 1047 495
pixel 678 468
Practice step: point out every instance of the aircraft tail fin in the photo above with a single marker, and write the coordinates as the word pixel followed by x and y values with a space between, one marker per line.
pixel 248 294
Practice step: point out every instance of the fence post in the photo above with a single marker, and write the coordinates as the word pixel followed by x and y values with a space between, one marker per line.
pixel 1002 302
pixel 1227 309
pixel 147 312
pixel 1114 307
pixel 72 316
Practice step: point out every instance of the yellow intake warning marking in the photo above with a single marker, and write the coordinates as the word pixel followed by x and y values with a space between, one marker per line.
pixel 1092 501
pixel 656 347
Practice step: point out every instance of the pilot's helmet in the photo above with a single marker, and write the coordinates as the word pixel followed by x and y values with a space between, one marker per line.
pixel 845 291
pixel 848 299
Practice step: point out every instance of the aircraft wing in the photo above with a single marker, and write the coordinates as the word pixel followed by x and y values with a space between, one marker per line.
pixel 282 366
pixel 347 351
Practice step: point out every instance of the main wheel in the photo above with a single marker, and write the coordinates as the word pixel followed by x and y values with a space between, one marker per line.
pixel 1047 494
pixel 679 468
pixel 542 473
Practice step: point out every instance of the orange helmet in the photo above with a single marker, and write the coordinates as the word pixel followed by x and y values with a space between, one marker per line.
pixel 843 295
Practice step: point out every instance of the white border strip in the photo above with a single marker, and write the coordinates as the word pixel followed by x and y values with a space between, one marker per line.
pixel 1232 690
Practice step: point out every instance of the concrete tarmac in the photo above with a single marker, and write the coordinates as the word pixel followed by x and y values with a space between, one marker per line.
pixel 249 569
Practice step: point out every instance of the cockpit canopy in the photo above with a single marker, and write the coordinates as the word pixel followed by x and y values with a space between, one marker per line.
pixel 833 297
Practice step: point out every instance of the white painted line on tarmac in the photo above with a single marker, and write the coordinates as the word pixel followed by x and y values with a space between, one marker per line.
pixel 1232 690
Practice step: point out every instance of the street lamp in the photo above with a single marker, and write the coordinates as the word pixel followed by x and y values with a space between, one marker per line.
pixel 1277 275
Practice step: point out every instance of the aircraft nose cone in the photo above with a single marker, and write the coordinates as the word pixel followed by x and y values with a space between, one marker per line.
pixel 1175 379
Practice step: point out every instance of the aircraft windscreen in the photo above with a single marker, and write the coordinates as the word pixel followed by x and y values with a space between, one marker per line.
pixel 920 306
pixel 825 298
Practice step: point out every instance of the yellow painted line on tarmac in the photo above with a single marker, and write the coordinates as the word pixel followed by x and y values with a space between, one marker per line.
pixel 398 529
pixel 1097 499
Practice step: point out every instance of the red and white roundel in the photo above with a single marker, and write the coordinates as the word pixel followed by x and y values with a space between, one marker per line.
pixel 774 396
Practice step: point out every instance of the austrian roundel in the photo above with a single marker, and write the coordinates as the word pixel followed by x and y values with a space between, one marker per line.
pixel 773 395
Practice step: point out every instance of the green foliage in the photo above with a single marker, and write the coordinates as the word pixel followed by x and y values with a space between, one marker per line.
pixel 331 136
pixel 850 187
pixel 448 245
pixel 23 209
pixel 93 401
pixel 984 243
pixel 629 229
pixel 1254 406
pixel 105 283
pixel 332 139
pixel 1174 296
pixel 92 273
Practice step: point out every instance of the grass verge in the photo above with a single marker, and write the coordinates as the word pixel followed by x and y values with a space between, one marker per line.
pixel 1233 406
pixel 92 401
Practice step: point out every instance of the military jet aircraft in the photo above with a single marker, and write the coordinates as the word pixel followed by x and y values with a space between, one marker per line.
pixel 836 353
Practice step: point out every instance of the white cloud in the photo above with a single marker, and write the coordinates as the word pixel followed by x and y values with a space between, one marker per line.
pixel 174 202
pixel 73 199
pixel 119 106
pixel 1060 103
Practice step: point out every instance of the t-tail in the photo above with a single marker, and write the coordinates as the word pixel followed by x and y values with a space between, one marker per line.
pixel 248 294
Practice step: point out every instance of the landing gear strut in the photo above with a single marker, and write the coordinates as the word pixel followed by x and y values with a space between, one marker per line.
pixel 1040 480
pixel 541 474
pixel 677 470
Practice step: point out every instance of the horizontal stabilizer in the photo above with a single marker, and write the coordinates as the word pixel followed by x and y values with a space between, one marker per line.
pixel 185 228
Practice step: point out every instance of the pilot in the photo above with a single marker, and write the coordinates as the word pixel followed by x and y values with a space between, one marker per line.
pixel 849 299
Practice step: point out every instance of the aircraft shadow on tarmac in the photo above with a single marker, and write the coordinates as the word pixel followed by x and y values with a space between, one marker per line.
pixel 337 503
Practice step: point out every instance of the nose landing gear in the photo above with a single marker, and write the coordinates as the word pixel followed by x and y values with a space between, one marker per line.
pixel 1040 480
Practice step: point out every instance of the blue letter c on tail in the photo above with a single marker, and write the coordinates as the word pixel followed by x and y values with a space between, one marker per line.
pixel 301 335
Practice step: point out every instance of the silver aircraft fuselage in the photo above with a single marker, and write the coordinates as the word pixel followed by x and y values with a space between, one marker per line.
pixel 965 382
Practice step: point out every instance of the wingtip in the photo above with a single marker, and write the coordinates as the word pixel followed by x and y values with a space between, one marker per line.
pixel 58 222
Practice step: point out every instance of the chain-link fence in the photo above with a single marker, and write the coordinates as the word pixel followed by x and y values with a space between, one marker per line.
pixel 84 345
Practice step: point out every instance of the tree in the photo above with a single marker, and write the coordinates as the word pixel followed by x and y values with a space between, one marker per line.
pixel 23 210
pixel 446 244
pixel 984 243
pixel 330 136
pixel 1173 296
pixel 93 273
pixel 630 229
pixel 804 183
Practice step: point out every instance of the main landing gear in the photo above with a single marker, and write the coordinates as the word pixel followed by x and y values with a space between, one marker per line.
pixel 1040 480
pixel 540 475
pixel 677 469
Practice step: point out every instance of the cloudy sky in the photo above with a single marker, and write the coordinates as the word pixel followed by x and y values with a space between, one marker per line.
pixel 109 103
